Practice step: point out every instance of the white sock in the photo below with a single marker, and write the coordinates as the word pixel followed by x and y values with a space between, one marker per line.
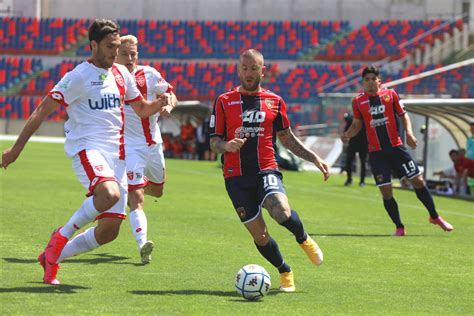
pixel 83 216
pixel 139 225
pixel 83 242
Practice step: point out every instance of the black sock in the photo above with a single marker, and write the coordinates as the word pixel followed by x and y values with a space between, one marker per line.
pixel 392 209
pixel 425 197
pixel 294 225
pixel 271 252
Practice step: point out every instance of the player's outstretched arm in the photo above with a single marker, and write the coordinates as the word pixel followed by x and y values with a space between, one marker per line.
pixel 219 145
pixel 145 108
pixel 290 141
pixel 352 131
pixel 44 109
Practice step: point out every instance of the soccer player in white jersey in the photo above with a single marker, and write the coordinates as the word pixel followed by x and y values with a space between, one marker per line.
pixel 143 143
pixel 93 94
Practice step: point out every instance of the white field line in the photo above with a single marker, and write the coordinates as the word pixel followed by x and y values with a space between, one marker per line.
pixel 39 139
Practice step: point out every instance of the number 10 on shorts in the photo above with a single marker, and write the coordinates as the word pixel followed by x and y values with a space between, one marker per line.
pixel 270 181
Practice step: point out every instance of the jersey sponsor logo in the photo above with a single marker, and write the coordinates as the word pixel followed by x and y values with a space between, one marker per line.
pixel 235 102
pixel 245 131
pixel 65 84
pixel 269 103
pixel 378 122
pixel 102 78
pixel 212 121
pixel 253 116
pixel 109 101
pixel 119 80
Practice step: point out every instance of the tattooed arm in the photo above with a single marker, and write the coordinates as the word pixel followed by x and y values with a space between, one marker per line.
pixel 290 141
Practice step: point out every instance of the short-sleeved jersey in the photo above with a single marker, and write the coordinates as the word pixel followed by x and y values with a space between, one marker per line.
pixel 255 116
pixel 378 113
pixel 138 131
pixel 94 99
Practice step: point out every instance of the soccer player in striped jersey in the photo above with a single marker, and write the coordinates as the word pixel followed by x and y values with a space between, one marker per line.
pixel 143 143
pixel 376 108
pixel 243 128
pixel 93 94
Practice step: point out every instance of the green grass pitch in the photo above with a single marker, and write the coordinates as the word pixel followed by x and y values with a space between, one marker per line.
pixel 200 245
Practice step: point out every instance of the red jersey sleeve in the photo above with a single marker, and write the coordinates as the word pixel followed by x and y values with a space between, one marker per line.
pixel 399 108
pixel 355 109
pixel 281 121
pixel 217 122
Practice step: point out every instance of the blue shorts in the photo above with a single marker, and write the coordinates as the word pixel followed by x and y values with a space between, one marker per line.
pixel 396 159
pixel 248 192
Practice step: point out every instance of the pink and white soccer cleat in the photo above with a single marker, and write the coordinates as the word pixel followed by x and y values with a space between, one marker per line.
pixel 55 247
pixel 441 223
pixel 399 232
pixel 50 270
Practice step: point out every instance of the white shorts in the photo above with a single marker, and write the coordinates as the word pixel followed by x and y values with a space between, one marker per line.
pixel 145 165
pixel 93 167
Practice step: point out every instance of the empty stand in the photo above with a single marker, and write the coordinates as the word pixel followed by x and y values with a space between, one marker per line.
pixel 381 39
pixel 226 39
pixel 22 35
pixel 15 69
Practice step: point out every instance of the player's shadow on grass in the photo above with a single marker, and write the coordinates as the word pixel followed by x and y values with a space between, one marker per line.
pixel 184 292
pixel 365 235
pixel 45 289
pixel 199 292
pixel 100 258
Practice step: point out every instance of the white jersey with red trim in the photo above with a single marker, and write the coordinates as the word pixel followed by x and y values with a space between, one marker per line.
pixel 94 99
pixel 138 131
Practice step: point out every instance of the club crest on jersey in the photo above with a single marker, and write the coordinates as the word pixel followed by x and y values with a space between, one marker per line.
pixel 270 103
pixel 119 80
pixel 141 81
pixel 386 98
pixel 130 175
pixel 99 168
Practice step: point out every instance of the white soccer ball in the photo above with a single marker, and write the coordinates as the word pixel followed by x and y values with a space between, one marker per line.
pixel 252 282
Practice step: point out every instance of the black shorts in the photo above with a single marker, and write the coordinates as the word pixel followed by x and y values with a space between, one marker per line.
pixel 396 159
pixel 248 192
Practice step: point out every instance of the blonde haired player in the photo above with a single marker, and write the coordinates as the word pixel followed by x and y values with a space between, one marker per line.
pixel 143 143
pixel 93 94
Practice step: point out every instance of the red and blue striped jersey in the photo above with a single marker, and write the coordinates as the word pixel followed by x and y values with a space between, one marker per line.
pixel 378 110
pixel 255 116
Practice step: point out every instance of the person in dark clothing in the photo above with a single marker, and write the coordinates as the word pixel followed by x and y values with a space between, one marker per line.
pixel 357 144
